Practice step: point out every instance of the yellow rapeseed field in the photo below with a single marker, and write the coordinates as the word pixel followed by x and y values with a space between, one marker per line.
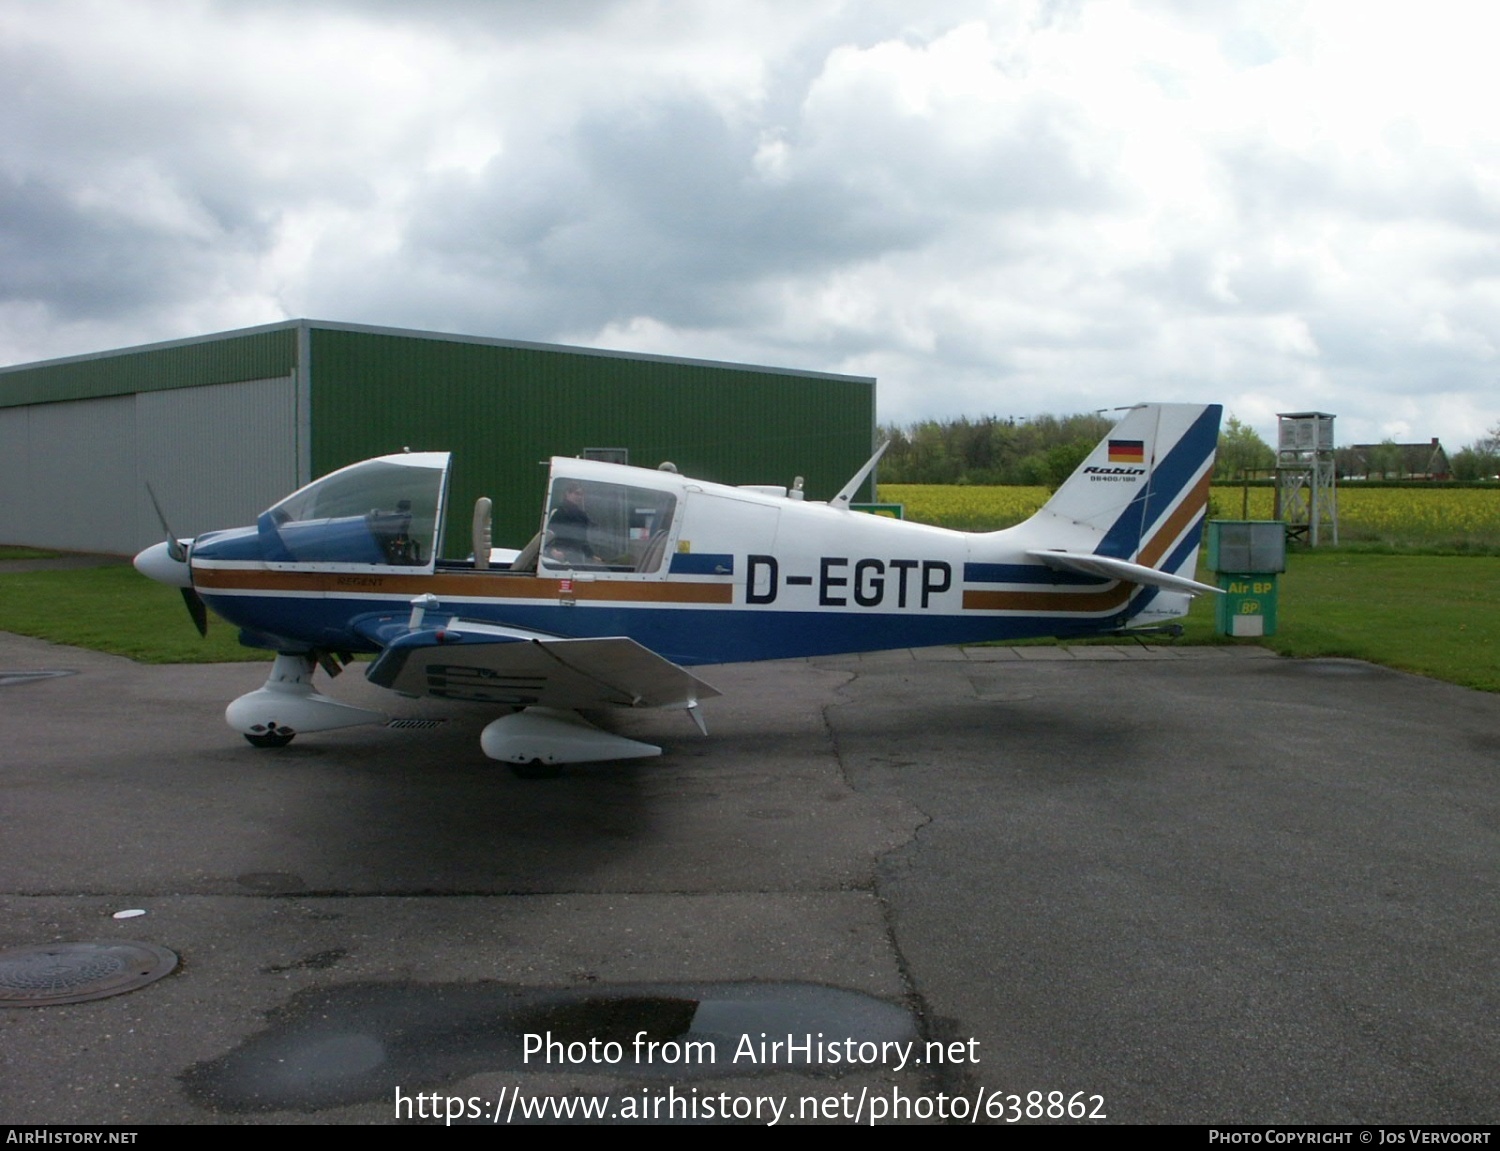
pixel 1461 516
pixel 969 508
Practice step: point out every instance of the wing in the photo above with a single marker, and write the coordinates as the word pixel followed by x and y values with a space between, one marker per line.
pixel 486 663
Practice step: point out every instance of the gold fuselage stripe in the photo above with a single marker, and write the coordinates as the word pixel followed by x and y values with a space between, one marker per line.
pixel 479 585
pixel 1047 602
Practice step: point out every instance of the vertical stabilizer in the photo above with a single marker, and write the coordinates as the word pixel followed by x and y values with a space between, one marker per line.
pixel 1142 493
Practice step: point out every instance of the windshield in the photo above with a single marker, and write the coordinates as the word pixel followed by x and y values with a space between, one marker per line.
pixel 383 511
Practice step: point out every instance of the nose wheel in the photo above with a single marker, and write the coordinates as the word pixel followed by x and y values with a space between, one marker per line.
pixel 536 769
pixel 270 738
pixel 288 703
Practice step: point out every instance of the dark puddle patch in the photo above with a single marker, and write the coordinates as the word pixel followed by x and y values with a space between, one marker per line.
pixel 345 1045
pixel 1329 668
pixel 611 1020
pixel 320 961
pixel 271 882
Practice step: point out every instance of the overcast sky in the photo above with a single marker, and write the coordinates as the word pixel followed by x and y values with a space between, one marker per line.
pixel 995 208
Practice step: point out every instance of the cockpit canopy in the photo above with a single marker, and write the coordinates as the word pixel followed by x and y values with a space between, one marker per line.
pixel 605 525
pixel 385 511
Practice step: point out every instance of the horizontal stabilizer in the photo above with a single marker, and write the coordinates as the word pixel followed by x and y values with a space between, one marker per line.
pixel 1097 565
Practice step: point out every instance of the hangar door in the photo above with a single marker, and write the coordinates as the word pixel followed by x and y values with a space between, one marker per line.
pixel 74 473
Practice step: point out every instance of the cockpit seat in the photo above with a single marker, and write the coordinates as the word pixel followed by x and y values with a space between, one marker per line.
pixel 526 558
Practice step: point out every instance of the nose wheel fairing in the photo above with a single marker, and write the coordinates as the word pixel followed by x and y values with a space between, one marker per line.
pixel 288 704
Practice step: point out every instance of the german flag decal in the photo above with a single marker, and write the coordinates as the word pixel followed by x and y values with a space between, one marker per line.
pixel 1127 451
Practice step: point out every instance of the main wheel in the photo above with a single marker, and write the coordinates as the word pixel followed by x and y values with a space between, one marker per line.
pixel 270 739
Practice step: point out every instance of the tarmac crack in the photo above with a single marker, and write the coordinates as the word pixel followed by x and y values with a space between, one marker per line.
pixel 940 1076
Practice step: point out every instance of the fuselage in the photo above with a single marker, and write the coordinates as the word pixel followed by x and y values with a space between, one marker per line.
pixel 697 572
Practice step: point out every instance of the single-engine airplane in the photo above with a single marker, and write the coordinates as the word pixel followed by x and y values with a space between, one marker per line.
pixel 637 575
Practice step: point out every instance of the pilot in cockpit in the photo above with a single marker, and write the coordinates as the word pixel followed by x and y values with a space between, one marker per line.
pixel 568 529
pixel 393 531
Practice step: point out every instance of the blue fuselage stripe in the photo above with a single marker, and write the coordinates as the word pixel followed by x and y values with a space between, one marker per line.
pixel 975 573
pixel 702 563
pixel 684 635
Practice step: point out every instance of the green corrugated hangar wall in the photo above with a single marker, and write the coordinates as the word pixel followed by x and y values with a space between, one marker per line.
pixel 503 408
pixel 504 411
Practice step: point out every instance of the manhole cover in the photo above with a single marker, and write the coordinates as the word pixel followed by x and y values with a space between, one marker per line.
pixel 76 972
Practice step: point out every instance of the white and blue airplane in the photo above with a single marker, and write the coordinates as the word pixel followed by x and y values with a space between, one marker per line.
pixel 637 575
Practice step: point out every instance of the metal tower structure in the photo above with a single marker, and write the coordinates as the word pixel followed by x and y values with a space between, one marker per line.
pixel 1306 491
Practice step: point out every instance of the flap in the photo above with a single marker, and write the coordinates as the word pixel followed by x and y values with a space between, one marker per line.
pixel 486 663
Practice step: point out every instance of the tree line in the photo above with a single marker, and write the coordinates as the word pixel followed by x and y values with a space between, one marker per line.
pixel 1034 451
pixel 1040 450
pixel 1044 450
pixel 1479 460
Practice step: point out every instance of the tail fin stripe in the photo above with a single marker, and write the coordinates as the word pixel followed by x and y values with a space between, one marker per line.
pixel 1166 483
pixel 1121 539
pixel 1187 511
pixel 1184 550
pixel 1182 463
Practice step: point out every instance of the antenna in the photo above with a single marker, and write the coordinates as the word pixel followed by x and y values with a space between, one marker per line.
pixel 847 494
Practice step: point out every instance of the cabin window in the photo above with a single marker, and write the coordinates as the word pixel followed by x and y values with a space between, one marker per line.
pixel 606 527
pixel 372 513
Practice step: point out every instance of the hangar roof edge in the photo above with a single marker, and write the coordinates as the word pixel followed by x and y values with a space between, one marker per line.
pixel 421 334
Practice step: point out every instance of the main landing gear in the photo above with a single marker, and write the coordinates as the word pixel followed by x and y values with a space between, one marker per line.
pixel 537 741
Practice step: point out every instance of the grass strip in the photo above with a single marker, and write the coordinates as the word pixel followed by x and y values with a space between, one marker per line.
pixel 1434 615
pixel 117 610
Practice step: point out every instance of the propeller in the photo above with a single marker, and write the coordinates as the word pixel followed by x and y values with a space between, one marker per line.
pixel 175 547
pixel 197 609
pixel 177 551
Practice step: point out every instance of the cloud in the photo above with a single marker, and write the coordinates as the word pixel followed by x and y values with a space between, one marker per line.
pixel 1013 208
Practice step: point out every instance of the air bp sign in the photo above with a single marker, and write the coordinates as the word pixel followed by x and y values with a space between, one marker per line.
pixel 1248 605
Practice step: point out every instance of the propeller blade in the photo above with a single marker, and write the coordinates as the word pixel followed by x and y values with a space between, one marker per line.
pixel 197 609
pixel 174 545
pixel 177 551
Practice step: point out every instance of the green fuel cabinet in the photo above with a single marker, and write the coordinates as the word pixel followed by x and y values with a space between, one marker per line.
pixel 1247 556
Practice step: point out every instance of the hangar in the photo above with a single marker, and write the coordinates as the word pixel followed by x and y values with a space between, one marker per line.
pixel 222 426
